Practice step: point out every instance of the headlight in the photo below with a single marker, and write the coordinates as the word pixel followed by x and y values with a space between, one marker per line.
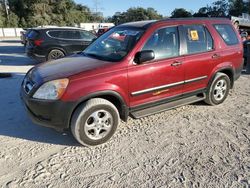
pixel 52 90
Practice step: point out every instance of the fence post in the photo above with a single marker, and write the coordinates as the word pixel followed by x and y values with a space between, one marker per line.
pixel 15 32
pixel 248 59
pixel 3 32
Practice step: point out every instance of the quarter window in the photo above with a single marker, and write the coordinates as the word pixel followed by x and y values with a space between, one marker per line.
pixel 87 36
pixel 198 39
pixel 227 33
pixel 164 42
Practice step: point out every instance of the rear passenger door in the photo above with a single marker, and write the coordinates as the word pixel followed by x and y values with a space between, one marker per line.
pixel 74 43
pixel 199 57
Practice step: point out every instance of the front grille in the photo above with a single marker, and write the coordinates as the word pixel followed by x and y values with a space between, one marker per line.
pixel 28 85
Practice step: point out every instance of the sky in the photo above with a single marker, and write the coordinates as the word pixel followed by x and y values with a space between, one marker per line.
pixel 164 7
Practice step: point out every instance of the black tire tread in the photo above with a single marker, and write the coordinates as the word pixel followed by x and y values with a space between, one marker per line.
pixel 82 109
pixel 52 51
pixel 208 99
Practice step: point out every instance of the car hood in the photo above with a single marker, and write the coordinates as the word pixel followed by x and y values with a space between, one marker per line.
pixel 65 67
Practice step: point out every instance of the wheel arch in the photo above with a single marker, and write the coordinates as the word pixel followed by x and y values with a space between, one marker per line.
pixel 112 96
pixel 228 71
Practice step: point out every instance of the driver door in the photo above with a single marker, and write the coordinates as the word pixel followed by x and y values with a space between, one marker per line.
pixel 161 78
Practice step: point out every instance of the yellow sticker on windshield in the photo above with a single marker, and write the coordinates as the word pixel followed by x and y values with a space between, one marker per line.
pixel 194 35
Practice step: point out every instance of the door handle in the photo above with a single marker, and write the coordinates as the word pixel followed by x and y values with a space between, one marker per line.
pixel 176 64
pixel 215 56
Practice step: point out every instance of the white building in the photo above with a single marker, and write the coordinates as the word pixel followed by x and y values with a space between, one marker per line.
pixel 95 26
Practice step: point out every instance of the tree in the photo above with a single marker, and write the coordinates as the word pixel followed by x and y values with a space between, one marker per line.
pixel 2 17
pixel 247 6
pixel 153 14
pixel 218 9
pixel 202 12
pixel 237 7
pixel 135 14
pixel 180 13
pixel 33 13
pixel 12 21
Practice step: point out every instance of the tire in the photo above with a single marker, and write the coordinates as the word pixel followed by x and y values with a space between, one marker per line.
pixel 218 90
pixel 94 122
pixel 55 54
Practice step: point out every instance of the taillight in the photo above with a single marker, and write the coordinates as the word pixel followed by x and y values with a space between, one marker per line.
pixel 38 42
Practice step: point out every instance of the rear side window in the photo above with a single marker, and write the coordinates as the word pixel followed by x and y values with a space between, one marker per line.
pixel 227 33
pixel 87 36
pixel 55 34
pixel 198 39
pixel 72 35
pixel 65 34
pixel 164 42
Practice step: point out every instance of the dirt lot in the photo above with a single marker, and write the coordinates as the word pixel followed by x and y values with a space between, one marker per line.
pixel 192 146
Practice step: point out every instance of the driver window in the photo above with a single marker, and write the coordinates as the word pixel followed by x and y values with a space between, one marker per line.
pixel 164 42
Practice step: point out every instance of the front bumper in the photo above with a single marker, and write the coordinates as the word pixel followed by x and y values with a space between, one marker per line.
pixel 54 114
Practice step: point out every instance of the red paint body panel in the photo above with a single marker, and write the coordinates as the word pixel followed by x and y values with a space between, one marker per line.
pixel 153 75
pixel 126 77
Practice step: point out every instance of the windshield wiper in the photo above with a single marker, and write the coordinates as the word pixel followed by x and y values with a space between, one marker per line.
pixel 92 55
pixel 103 58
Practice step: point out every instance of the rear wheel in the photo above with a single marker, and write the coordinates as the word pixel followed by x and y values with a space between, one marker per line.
pixel 218 90
pixel 55 54
pixel 94 122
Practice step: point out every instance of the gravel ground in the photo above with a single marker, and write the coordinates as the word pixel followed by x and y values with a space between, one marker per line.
pixel 191 146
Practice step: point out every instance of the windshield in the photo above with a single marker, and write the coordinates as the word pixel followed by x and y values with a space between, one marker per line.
pixel 115 44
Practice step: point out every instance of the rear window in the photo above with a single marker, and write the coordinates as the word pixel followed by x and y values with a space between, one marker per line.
pixel 227 33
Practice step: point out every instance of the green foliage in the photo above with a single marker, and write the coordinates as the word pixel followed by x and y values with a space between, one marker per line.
pixel 202 12
pixel 218 9
pixel 135 14
pixel 12 21
pixel 2 17
pixel 180 13
pixel 31 13
pixel 237 7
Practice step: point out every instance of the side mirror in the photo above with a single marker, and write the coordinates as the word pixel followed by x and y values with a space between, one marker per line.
pixel 144 56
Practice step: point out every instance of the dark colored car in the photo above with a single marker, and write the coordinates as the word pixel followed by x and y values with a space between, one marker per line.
pixel 135 69
pixel 46 44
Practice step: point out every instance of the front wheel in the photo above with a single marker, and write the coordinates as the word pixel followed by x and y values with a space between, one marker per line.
pixel 218 90
pixel 94 122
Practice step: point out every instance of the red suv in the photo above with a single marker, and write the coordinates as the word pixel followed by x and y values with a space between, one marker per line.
pixel 135 69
